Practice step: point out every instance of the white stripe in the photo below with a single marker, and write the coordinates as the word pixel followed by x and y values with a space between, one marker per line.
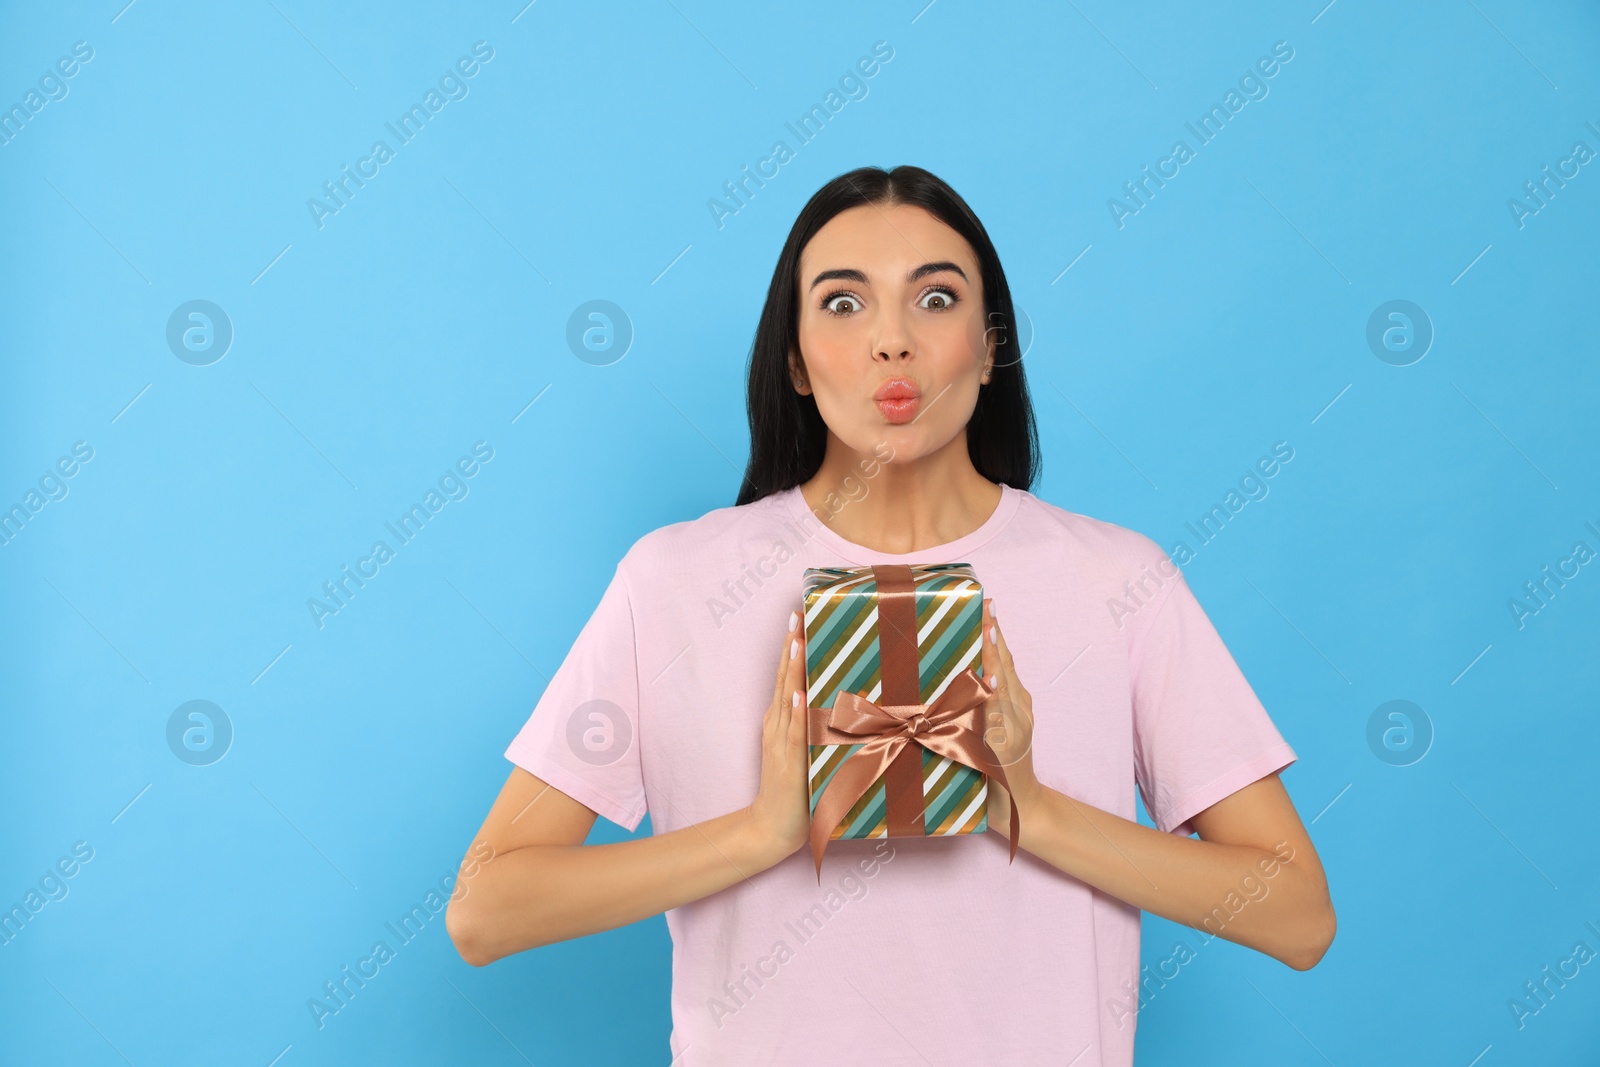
pixel 821 599
pixel 868 624
pixel 817 763
pixel 975 649
pixel 983 791
pixel 947 601
pixel 930 784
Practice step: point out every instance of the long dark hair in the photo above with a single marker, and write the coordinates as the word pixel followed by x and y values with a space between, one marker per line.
pixel 787 435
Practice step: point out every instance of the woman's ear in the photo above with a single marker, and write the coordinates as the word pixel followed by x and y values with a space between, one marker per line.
pixel 797 374
pixel 993 338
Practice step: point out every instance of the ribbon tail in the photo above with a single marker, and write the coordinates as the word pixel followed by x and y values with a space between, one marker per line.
pixel 848 784
pixel 998 773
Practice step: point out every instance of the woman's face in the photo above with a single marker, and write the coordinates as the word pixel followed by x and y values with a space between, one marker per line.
pixel 892 340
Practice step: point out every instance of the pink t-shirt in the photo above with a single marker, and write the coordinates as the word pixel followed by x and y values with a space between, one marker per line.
pixel 912 950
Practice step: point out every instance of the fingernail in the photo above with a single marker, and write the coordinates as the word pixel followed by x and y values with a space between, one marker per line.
pixel 794 649
pixel 994 681
pixel 794 620
pixel 991 635
pixel 993 615
pixel 796 701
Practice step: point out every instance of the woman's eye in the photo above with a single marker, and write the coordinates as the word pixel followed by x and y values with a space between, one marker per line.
pixel 937 298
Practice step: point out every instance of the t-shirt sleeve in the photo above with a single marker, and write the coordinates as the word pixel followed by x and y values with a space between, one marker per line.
pixel 583 735
pixel 1200 733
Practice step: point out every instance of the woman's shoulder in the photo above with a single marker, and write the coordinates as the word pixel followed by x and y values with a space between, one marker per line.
pixel 1088 536
pixel 714 534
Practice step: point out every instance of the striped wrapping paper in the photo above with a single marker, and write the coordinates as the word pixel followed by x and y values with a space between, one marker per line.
pixel 842 655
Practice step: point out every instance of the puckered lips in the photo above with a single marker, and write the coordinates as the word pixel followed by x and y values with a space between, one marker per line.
pixel 898 399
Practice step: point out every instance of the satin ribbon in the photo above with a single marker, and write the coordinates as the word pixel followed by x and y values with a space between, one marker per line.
pixel 951 726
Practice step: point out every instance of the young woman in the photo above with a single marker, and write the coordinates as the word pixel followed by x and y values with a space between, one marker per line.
pixel 890 423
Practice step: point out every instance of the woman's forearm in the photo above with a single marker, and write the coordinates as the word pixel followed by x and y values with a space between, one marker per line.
pixel 1256 897
pixel 538 894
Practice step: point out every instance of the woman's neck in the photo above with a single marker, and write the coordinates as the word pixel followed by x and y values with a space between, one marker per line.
pixel 897 507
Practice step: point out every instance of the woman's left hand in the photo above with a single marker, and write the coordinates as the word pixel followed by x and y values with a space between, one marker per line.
pixel 1008 727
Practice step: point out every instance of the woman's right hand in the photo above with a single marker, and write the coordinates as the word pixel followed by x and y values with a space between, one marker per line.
pixel 781 812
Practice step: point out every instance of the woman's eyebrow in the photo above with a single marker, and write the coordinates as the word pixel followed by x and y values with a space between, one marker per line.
pixel 851 275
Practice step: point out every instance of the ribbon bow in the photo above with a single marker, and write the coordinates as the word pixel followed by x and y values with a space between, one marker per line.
pixel 951 726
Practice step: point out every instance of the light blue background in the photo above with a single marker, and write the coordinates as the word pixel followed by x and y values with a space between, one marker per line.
pixel 1228 314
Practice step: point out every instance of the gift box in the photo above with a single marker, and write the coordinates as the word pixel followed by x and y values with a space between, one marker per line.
pixel 896 701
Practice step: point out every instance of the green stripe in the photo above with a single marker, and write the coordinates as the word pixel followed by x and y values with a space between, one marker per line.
pixel 963 785
pixel 875 813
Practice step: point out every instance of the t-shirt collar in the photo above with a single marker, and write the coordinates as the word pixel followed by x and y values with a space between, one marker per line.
pixel 951 552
